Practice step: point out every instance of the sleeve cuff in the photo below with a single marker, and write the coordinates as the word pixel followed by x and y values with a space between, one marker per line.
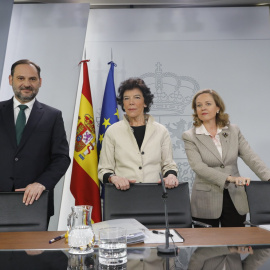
pixel 170 172
pixel 106 177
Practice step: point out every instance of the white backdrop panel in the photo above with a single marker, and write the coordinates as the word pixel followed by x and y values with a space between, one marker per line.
pixel 178 24
pixel 178 52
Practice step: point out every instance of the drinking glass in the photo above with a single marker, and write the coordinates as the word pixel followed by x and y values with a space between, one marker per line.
pixel 112 246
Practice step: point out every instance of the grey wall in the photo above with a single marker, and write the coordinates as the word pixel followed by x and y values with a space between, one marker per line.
pixel 5 17
pixel 52 35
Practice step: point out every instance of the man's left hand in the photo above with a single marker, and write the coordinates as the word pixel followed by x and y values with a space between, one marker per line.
pixel 32 192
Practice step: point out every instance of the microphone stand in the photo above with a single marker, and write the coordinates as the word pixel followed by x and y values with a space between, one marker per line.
pixel 166 248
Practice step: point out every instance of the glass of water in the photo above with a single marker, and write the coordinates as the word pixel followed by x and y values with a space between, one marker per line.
pixel 112 246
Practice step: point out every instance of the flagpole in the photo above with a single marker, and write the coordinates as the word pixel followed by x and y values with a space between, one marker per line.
pixel 68 200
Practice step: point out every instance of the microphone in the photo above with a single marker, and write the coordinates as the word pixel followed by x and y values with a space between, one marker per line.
pixel 166 248
pixel 165 194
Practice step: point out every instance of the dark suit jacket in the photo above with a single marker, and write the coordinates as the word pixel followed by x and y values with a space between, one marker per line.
pixel 42 155
pixel 20 260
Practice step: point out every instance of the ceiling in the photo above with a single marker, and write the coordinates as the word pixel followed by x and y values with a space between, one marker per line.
pixel 153 3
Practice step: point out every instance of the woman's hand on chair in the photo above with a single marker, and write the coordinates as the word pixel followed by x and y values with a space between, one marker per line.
pixel 239 180
pixel 121 182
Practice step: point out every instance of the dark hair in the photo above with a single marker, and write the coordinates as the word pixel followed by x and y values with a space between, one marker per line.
pixel 222 119
pixel 27 62
pixel 132 83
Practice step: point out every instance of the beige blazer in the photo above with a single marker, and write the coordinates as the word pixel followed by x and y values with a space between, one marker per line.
pixel 121 155
pixel 219 258
pixel 212 170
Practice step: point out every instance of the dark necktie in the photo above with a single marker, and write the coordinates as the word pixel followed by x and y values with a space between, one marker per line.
pixel 20 123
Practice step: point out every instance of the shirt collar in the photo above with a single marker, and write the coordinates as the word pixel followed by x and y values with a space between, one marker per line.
pixel 29 104
pixel 202 130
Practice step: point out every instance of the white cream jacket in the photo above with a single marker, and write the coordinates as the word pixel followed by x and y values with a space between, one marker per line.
pixel 121 155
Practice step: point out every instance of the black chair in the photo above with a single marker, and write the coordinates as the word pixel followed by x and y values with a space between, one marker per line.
pixel 16 216
pixel 144 203
pixel 258 200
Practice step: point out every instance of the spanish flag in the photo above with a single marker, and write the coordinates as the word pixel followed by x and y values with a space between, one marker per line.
pixel 84 184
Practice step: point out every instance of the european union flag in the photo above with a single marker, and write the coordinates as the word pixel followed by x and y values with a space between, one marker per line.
pixel 109 111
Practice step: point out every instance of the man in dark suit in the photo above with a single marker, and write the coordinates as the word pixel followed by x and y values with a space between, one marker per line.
pixel 34 152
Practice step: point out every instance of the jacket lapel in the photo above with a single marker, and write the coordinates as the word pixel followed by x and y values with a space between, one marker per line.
pixel 8 118
pixel 225 142
pixel 148 131
pixel 34 118
pixel 208 142
pixel 129 130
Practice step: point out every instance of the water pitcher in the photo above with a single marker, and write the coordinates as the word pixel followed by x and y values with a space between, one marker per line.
pixel 80 232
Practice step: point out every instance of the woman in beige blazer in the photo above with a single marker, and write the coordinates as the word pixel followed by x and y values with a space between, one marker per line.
pixel 136 149
pixel 213 146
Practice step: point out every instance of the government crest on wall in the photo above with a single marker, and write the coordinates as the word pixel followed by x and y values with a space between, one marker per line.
pixel 172 108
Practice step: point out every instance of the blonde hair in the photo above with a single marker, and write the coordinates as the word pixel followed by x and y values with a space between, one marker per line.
pixel 222 118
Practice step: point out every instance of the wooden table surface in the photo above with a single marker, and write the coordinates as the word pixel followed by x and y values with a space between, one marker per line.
pixel 192 236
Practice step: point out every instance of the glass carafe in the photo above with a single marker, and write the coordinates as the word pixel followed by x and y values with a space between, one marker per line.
pixel 80 232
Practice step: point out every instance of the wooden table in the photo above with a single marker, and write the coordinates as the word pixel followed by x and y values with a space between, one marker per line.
pixel 193 237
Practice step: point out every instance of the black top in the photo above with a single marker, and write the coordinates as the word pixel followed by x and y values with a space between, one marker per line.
pixel 139 134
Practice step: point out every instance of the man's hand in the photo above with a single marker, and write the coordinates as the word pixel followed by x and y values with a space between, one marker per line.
pixel 33 252
pixel 32 192
pixel 121 182
pixel 170 181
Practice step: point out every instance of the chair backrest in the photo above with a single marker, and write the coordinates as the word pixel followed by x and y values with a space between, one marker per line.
pixel 144 202
pixel 258 201
pixel 15 216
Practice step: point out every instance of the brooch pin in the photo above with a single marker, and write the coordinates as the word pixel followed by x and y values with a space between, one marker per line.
pixel 225 134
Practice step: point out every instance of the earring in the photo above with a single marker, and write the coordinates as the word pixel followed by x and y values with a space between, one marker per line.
pixel 217 111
